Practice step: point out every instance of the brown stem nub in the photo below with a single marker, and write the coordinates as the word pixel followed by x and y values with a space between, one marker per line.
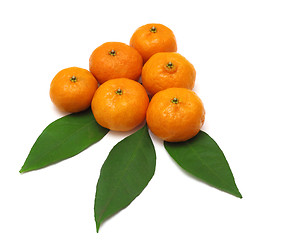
pixel 175 100
pixel 112 52
pixel 170 65
pixel 153 29
pixel 73 78
pixel 119 91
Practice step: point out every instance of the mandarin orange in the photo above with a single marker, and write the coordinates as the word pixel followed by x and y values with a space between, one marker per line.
pixel 115 60
pixel 120 104
pixel 72 89
pixel 175 114
pixel 165 70
pixel 153 38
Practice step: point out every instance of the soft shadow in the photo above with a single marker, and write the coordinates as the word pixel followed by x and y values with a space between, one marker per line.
pixel 155 139
pixel 58 111
pixel 119 134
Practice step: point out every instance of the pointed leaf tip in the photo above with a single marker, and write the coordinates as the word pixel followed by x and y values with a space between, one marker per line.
pixel 202 157
pixel 63 139
pixel 125 173
pixel 97 227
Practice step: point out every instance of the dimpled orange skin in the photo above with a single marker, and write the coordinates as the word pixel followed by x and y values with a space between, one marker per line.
pixel 120 112
pixel 175 122
pixel 115 60
pixel 72 89
pixel 148 41
pixel 157 75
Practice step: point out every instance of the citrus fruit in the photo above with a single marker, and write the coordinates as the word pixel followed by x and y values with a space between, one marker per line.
pixel 175 114
pixel 120 104
pixel 72 89
pixel 115 60
pixel 165 70
pixel 153 38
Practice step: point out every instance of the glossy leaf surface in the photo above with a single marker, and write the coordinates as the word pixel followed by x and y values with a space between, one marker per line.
pixel 127 170
pixel 202 157
pixel 63 139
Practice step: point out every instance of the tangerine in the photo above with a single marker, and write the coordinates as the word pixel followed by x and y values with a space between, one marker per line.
pixel 120 104
pixel 153 38
pixel 72 89
pixel 166 70
pixel 115 60
pixel 175 114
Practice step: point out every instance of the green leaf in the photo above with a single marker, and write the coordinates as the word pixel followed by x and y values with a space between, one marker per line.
pixel 125 173
pixel 63 139
pixel 202 157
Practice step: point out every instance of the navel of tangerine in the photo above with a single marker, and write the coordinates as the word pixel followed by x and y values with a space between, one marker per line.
pixel 119 91
pixel 112 52
pixel 175 100
pixel 153 29
pixel 73 79
pixel 170 65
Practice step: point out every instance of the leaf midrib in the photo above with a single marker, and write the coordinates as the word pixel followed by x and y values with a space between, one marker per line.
pixel 211 170
pixel 120 179
pixel 64 140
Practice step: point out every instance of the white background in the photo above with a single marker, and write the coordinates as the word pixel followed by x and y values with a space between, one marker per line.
pixel 239 51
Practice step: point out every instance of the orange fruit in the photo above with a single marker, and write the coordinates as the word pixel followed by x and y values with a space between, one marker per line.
pixel 115 60
pixel 72 89
pixel 120 104
pixel 153 38
pixel 175 114
pixel 166 70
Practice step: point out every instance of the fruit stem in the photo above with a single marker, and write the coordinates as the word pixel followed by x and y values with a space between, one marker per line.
pixel 73 78
pixel 112 52
pixel 153 29
pixel 119 91
pixel 175 100
pixel 170 65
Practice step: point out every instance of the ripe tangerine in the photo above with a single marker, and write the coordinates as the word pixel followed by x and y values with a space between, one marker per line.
pixel 72 89
pixel 115 60
pixel 120 104
pixel 153 38
pixel 166 70
pixel 175 114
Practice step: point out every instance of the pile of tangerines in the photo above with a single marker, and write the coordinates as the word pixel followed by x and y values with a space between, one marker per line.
pixel 120 102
